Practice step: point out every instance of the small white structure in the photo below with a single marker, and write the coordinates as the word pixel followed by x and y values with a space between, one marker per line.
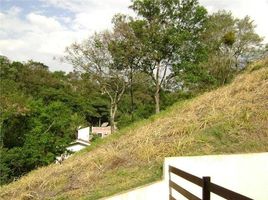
pixel 102 131
pixel 84 134
pixel 82 141
pixel 246 174
pixel 77 146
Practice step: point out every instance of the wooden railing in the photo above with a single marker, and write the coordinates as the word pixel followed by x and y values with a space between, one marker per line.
pixel 207 187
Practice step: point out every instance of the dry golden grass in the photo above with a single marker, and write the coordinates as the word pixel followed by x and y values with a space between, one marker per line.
pixel 232 119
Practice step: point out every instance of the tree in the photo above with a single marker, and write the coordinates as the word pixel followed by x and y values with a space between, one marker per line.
pixel 143 100
pixel 126 51
pixel 39 115
pixel 13 102
pixel 93 56
pixel 168 32
pixel 230 44
pixel 247 40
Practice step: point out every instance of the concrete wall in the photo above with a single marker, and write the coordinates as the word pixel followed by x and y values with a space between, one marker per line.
pixel 83 134
pixel 104 131
pixel 152 191
pixel 75 147
pixel 246 174
pixel 243 173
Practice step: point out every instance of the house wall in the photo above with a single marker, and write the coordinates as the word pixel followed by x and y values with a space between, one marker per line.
pixel 243 173
pixel 83 134
pixel 105 131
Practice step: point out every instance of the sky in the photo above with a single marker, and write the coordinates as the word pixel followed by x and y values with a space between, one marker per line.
pixel 41 29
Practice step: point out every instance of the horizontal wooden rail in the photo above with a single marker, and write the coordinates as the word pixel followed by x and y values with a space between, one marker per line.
pixel 189 177
pixel 207 187
pixel 225 193
pixel 171 197
pixel 183 191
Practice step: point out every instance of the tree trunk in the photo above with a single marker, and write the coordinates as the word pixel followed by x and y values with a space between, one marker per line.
pixel 157 90
pixel 131 94
pixel 112 120
pixel 157 100
pixel 113 110
pixel 1 136
pixel 99 121
pixel 114 100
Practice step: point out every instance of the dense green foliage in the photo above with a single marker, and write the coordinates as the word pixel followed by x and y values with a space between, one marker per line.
pixel 230 43
pixel 174 50
pixel 40 113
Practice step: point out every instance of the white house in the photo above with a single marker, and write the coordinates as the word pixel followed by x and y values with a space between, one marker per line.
pixel 102 131
pixel 82 140
pixel 84 136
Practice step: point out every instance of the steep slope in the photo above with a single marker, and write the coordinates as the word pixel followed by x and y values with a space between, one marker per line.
pixel 232 119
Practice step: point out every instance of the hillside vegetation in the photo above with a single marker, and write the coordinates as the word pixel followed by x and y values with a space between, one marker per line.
pixel 231 119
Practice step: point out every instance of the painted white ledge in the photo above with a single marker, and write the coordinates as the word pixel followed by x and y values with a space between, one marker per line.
pixel 243 173
pixel 246 174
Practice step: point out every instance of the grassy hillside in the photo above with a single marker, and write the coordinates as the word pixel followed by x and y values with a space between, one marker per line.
pixel 232 119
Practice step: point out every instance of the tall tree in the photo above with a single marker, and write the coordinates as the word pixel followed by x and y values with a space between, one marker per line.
pixel 230 43
pixel 93 56
pixel 247 40
pixel 168 31
pixel 126 51
pixel 13 102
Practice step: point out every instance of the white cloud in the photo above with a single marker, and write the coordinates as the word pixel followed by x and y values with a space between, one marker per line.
pixel 34 35
pixel 94 15
pixel 16 44
pixel 84 6
pixel 37 37
pixel 11 25
pixel 14 11
pixel 94 21
pixel 41 38
pixel 44 23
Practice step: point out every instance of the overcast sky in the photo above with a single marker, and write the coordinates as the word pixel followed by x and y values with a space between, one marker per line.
pixel 41 29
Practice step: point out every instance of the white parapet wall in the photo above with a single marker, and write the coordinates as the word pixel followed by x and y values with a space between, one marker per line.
pixel 152 191
pixel 83 134
pixel 75 147
pixel 246 174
